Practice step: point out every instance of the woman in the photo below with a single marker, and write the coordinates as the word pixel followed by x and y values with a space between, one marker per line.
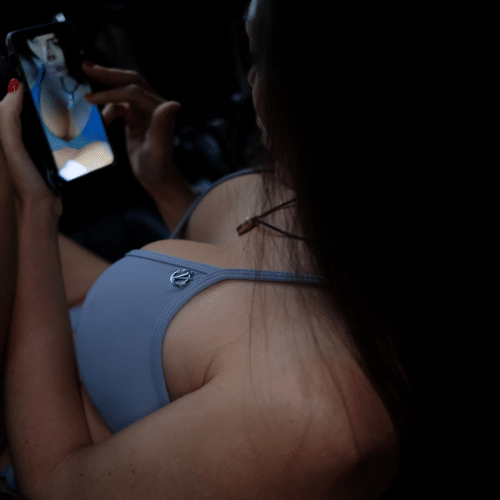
pixel 250 355
pixel 73 126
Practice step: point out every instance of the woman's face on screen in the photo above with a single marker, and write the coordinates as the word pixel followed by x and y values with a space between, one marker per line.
pixel 48 51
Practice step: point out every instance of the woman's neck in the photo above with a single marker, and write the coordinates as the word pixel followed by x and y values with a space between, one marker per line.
pixel 53 90
pixel 271 245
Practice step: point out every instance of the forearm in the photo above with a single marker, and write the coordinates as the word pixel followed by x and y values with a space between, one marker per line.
pixel 44 411
pixel 80 268
pixel 8 256
pixel 8 270
pixel 172 198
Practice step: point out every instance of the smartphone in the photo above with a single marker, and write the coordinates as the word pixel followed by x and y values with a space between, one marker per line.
pixel 64 134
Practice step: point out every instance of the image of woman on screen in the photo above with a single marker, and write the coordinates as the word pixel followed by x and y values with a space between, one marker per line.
pixel 72 125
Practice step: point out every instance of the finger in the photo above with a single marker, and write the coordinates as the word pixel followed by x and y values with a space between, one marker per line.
pixel 115 77
pixel 12 103
pixel 113 111
pixel 10 125
pixel 132 118
pixel 137 96
pixel 163 119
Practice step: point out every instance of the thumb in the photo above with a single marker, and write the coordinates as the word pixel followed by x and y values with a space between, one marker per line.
pixel 14 98
pixel 163 121
pixel 10 119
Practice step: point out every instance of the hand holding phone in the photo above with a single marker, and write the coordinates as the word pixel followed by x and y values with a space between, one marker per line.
pixel 62 131
pixel 28 184
pixel 149 122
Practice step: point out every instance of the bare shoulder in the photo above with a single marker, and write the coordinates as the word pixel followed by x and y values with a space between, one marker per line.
pixel 195 251
pixel 218 214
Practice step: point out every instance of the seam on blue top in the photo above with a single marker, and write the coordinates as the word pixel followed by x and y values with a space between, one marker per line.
pixel 264 275
pixel 197 285
pixel 169 259
pixel 186 216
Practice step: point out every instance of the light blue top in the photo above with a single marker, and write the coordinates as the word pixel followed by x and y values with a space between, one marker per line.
pixel 120 331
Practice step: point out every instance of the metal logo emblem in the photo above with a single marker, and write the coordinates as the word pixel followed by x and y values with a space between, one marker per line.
pixel 181 277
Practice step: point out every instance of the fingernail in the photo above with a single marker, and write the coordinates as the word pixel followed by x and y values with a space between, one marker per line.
pixel 13 85
pixel 88 96
pixel 88 63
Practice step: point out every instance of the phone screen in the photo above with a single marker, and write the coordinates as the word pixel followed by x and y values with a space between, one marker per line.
pixel 73 127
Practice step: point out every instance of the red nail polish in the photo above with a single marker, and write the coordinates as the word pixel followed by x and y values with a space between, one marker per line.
pixel 13 85
pixel 88 96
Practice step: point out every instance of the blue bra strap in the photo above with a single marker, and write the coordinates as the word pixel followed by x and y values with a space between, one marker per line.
pixel 171 309
pixel 183 221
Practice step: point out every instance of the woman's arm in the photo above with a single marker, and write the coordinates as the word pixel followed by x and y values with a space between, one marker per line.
pixel 8 249
pixel 44 410
pixel 80 268
pixel 8 267
pixel 172 199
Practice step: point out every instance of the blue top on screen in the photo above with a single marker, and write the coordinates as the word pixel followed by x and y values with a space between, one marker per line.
pixel 93 131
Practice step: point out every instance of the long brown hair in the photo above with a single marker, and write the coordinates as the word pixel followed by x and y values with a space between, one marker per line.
pixel 326 68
